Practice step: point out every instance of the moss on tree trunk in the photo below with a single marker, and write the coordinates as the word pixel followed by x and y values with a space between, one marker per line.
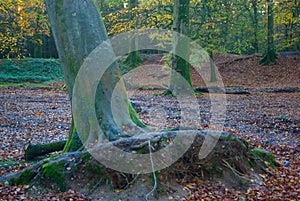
pixel 78 29
pixel 180 66
pixel 213 76
pixel 73 143
pixel 270 55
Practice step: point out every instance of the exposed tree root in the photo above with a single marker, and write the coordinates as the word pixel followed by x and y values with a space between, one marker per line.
pixel 216 89
pixel 34 150
pixel 231 160
pixel 240 59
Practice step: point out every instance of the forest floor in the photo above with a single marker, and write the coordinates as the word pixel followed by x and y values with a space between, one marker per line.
pixel 268 117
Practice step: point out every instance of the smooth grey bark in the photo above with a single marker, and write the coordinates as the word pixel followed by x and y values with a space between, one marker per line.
pixel 78 29
pixel 213 76
pixel 133 59
pixel 181 46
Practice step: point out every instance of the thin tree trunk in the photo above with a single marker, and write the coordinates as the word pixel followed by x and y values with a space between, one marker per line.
pixel 204 12
pixel 181 25
pixel 227 42
pixel 213 76
pixel 37 47
pixel 133 58
pixel 255 19
pixel 270 55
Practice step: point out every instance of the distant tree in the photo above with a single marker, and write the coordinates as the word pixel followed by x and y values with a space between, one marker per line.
pixel 22 23
pixel 287 23
pixel 181 26
pixel 255 24
pixel 270 54
pixel 133 59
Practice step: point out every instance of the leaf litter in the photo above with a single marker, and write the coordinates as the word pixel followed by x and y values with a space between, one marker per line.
pixel 267 120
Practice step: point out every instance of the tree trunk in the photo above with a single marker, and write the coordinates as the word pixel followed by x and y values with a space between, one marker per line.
pixel 226 26
pixel 78 29
pixel 133 58
pixel 270 55
pixel 37 46
pixel 213 76
pixel 204 12
pixel 255 21
pixel 181 25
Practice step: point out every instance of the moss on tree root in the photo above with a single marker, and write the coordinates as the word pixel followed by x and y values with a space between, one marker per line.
pixel 24 179
pixel 32 151
pixel 232 160
pixel 266 156
pixel 56 173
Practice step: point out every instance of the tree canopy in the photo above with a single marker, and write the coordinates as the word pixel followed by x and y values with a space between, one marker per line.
pixel 22 25
pixel 229 26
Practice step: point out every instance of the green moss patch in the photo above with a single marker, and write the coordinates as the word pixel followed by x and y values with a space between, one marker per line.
pixel 86 156
pixel 265 156
pixel 8 163
pixel 24 178
pixel 94 168
pixel 56 173
pixel 135 117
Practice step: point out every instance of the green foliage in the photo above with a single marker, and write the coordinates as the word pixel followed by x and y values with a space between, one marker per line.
pixel 227 27
pixel 223 26
pixel 27 85
pixel 287 22
pixel 30 70
pixel 137 18
pixel 21 22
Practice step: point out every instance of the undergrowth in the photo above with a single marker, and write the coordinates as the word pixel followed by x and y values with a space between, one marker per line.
pixel 30 70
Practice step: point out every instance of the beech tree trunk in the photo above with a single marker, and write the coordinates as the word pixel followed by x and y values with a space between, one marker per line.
pixel 78 29
pixel 213 76
pixel 182 26
pixel 270 55
pixel 255 23
pixel 133 58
